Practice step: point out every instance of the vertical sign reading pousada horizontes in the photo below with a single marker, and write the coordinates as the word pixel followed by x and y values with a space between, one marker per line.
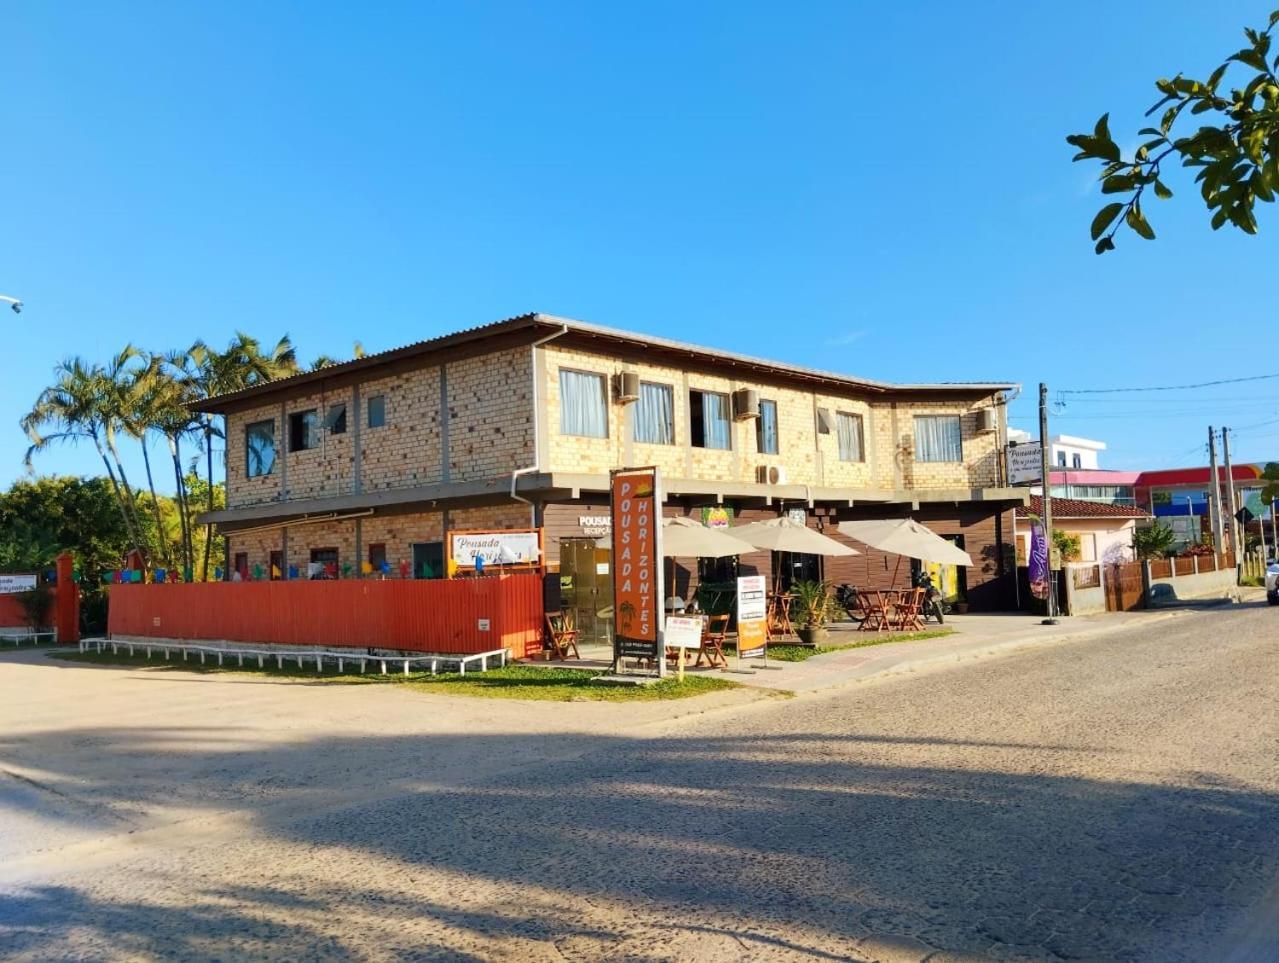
pixel 636 501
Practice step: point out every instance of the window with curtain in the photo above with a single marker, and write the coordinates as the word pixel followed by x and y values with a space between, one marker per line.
pixel 709 420
pixel 848 428
pixel 938 438
pixel 655 414
pixel 583 404
pixel 766 428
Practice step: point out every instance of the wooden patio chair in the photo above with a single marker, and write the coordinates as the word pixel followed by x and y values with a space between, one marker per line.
pixel 713 637
pixel 561 635
pixel 876 608
pixel 906 614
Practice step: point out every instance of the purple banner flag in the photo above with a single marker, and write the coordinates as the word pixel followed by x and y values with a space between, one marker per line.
pixel 1038 563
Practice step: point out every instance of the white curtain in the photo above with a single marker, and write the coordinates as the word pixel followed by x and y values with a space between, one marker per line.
pixel 849 429
pixel 938 438
pixel 655 415
pixel 582 406
pixel 715 420
pixel 767 428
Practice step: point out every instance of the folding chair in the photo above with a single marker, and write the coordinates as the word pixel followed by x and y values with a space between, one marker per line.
pixel 909 605
pixel 713 636
pixel 876 608
pixel 562 636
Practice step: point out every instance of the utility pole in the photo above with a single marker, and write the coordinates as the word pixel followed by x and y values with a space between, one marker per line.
pixel 1236 543
pixel 1214 496
pixel 1046 485
pixel 1274 531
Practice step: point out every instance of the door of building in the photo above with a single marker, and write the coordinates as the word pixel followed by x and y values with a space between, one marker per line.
pixel 428 560
pixel 586 581
pixel 792 567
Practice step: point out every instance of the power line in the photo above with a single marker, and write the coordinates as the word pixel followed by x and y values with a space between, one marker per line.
pixel 1202 384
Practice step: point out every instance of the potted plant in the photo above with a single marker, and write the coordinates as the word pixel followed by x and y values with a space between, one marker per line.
pixel 814 607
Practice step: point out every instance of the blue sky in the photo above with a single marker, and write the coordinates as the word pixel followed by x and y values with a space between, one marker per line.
pixel 879 189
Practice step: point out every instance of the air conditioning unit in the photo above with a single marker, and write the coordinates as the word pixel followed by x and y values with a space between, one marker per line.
pixel 986 419
pixel 771 475
pixel 745 404
pixel 626 386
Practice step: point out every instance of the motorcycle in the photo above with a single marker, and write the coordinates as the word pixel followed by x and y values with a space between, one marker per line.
pixel 933 606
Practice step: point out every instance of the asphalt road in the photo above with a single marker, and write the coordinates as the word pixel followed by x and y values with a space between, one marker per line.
pixel 1107 799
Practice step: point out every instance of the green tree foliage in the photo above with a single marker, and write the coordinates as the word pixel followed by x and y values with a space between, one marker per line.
pixel 1068 544
pixel 40 518
pixel 1270 475
pixel 1155 541
pixel 1236 154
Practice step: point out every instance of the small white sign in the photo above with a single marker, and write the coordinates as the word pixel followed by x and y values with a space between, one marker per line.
pixel 683 632
pixel 482 625
pixel 496 548
pixel 10 584
pixel 752 597
pixel 1024 463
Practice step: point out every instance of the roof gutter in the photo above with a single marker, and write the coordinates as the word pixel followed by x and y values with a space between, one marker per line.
pixel 537 447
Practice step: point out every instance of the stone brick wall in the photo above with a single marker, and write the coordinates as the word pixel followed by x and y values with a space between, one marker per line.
pixel 339 535
pixel 490 415
pixel 406 450
pixel 490 433
pixel 897 467
pixel 258 546
pixel 329 468
pixel 807 456
pixel 399 533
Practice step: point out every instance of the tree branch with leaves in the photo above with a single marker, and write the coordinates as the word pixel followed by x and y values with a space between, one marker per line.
pixel 1237 156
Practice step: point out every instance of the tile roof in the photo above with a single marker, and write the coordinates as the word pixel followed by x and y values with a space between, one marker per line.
pixel 1079 508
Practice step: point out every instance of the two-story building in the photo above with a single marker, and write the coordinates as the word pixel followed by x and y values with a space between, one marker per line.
pixel 516 424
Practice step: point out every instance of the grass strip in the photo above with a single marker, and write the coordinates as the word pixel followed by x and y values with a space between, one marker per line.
pixel 801 653
pixel 510 682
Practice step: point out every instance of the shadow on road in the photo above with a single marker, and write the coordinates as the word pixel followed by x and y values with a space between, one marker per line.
pixel 789 839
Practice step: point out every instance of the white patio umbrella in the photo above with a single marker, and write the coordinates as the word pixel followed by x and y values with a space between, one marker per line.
pixel 684 537
pixel 784 535
pixel 905 536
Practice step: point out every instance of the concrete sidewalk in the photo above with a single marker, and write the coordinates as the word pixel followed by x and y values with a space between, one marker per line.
pixel 974 636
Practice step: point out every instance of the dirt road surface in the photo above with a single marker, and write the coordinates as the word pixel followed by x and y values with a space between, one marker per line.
pixel 1115 799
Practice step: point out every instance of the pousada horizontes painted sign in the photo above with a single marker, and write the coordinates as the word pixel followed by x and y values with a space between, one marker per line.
pixel 9 584
pixel 495 548
pixel 635 494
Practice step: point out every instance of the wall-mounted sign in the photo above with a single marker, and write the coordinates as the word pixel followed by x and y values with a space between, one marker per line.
pixel 717 516
pixel 10 584
pixel 1024 463
pixel 595 526
pixel 635 496
pixel 752 611
pixel 521 547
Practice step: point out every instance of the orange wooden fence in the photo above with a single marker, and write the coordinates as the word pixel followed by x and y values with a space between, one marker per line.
pixel 448 616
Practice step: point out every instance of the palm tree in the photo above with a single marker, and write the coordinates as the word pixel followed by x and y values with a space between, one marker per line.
pixel 70 411
pixel 214 373
pixel 114 405
pixel 143 393
pixel 327 360
pixel 171 416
